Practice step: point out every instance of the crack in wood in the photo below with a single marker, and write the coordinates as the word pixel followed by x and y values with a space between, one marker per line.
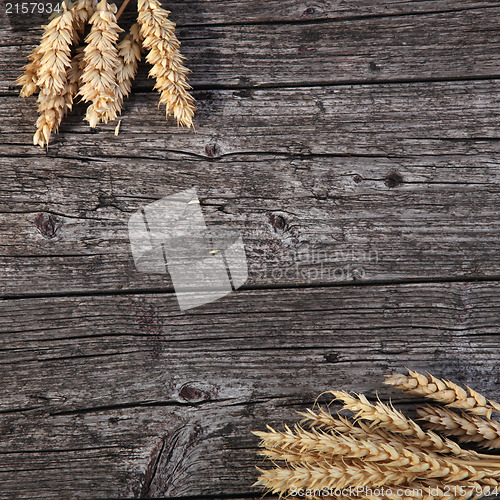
pixel 152 469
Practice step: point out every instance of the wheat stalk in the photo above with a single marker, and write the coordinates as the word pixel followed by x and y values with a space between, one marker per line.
pixel 443 391
pixel 330 477
pixel 316 445
pixel 171 76
pixel 468 428
pixel 107 68
pixel 359 429
pixel 325 475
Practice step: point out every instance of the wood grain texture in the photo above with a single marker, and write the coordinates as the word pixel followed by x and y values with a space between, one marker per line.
pixel 97 389
pixel 210 12
pixel 332 220
pixel 354 144
pixel 398 180
pixel 357 120
pixel 366 50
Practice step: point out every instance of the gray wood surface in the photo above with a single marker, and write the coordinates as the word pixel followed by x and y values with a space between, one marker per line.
pixel 355 146
pixel 387 48
pixel 400 181
pixel 96 387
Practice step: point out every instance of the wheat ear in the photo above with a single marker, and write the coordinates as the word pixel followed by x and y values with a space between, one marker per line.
pixel 321 419
pixel 315 445
pixel 171 76
pixel 80 13
pixel 54 62
pixel 99 79
pixel 359 430
pixel 129 55
pixel 325 475
pixel 468 428
pixel 395 421
pixel 443 391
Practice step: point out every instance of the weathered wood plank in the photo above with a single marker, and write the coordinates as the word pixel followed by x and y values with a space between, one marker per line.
pixel 93 388
pixel 384 120
pixel 311 220
pixel 451 45
pixel 421 188
pixel 246 11
pixel 209 12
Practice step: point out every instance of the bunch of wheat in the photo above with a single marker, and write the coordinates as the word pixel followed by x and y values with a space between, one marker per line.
pixel 101 70
pixel 381 454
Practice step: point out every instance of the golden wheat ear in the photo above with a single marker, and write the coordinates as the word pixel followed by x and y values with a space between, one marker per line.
pixel 52 74
pixel 159 38
pixel 443 391
pixel 390 456
pixel 99 79
pixel 394 421
pixel 467 428
pixel 129 55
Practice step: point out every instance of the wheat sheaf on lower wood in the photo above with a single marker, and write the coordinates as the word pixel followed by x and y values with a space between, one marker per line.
pixel 108 64
pixel 378 453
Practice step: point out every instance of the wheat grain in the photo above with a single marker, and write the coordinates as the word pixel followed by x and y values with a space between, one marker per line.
pixel 171 76
pixel 99 79
pixel 443 391
pixel 28 80
pixel 82 12
pixel 468 428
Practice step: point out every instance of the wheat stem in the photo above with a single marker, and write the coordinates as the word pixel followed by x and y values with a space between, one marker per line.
pixel 121 9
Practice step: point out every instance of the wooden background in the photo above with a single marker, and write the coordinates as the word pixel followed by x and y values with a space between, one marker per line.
pixel 353 143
